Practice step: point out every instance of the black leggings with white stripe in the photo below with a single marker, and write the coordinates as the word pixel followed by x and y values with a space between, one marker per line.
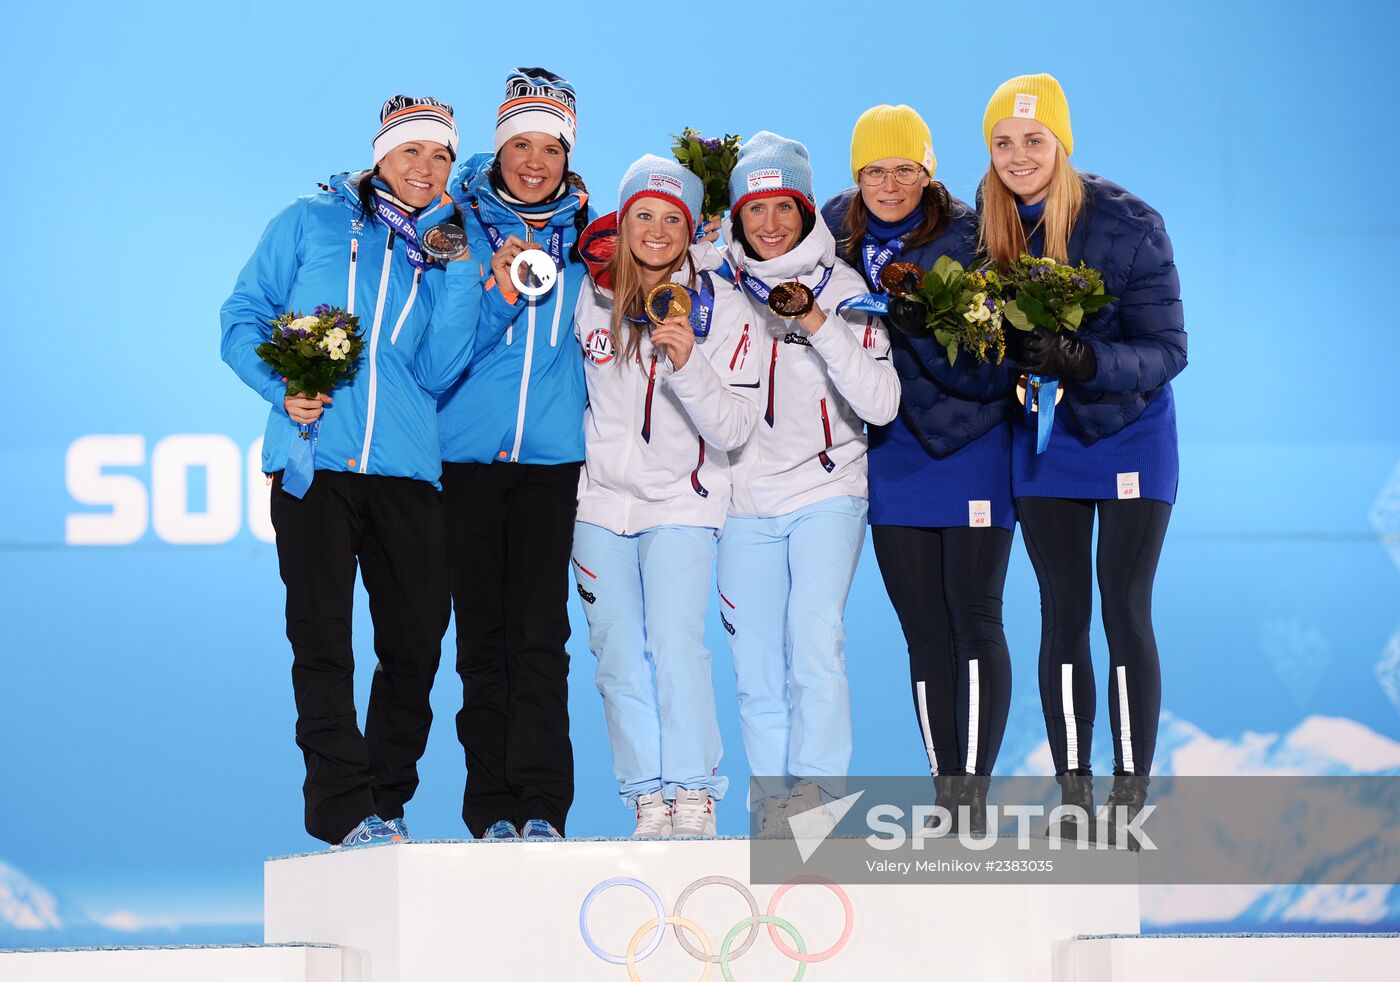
pixel 946 585
pixel 1059 535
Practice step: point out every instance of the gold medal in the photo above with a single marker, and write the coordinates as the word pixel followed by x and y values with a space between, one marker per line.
pixel 666 301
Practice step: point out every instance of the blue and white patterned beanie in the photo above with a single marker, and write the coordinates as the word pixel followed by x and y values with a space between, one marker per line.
pixel 657 177
pixel 769 166
pixel 537 101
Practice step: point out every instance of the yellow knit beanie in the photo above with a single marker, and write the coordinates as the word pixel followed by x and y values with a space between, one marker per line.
pixel 891 131
pixel 1037 97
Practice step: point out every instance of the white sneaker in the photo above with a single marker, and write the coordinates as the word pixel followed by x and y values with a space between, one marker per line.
pixel 693 814
pixel 653 817
pixel 774 822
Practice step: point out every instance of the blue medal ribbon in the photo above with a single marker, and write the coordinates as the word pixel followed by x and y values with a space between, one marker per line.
pixel 702 306
pixel 301 460
pixel 554 245
pixel 877 258
pixel 407 229
pixel 761 290
pixel 866 303
pixel 1040 390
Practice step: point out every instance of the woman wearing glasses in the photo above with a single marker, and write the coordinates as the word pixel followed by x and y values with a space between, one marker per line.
pixel 940 473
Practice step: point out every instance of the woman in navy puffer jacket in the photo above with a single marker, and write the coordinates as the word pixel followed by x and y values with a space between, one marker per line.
pixel 1112 450
pixel 941 513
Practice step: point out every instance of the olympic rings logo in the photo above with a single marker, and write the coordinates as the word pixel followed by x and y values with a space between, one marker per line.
pixel 706 952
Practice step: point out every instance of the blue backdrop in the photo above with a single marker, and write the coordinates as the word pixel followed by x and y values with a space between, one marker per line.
pixel 145 702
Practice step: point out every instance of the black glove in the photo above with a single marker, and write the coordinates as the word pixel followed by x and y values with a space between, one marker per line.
pixel 1015 343
pixel 909 317
pixel 1062 355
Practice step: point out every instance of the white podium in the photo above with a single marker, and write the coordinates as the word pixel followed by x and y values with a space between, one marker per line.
pixel 184 963
pixel 1237 957
pixel 461 911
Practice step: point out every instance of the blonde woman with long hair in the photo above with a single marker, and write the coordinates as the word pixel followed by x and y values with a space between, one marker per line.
pixel 1113 449
pixel 669 395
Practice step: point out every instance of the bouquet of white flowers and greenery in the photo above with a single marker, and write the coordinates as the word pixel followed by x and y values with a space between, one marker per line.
pixel 965 308
pixel 314 353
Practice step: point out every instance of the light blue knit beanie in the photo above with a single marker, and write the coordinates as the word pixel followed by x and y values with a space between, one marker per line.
pixel 770 165
pixel 657 177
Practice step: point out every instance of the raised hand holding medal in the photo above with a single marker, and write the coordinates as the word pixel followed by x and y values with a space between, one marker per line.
pixel 668 306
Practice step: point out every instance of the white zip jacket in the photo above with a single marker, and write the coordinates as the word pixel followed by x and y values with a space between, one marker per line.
pixel 816 391
pixel 656 439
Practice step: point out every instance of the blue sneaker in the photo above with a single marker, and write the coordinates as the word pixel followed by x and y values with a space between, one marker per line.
pixel 370 832
pixel 538 828
pixel 502 831
pixel 400 828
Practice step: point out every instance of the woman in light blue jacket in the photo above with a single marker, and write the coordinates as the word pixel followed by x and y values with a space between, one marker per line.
pixel 372 501
pixel 512 445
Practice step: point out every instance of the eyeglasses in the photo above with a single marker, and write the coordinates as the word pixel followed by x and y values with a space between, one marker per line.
pixel 905 174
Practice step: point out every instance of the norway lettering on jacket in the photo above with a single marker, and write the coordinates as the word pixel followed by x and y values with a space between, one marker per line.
pixel 816 391
pixel 657 439
pixel 419 327
pixel 522 397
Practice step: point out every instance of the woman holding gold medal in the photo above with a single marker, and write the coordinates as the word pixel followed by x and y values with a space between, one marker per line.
pixel 940 473
pixel 797 515
pixel 1112 450
pixel 511 448
pixel 672 388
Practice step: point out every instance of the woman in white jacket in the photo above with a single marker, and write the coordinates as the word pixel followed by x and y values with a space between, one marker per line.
pixel 665 405
pixel 797 516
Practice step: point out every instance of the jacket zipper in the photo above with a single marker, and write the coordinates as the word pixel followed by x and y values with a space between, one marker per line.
pixel 412 295
pixel 350 288
pixel 524 380
pixel 695 474
pixel 557 293
pixel 826 431
pixel 374 351
pixel 740 349
pixel 772 377
pixel 651 388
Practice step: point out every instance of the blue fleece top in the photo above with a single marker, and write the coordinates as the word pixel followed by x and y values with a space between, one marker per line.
pixel 946 459
pixel 1114 436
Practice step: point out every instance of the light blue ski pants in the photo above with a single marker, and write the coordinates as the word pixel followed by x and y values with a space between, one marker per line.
pixel 783 585
pixel 645 597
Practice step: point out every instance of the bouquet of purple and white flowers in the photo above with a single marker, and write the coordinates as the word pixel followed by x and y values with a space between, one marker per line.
pixel 315 353
pixel 712 161
pixel 964 309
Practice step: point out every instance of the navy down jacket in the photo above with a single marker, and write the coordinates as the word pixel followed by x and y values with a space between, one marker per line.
pixel 1139 340
pixel 947 406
